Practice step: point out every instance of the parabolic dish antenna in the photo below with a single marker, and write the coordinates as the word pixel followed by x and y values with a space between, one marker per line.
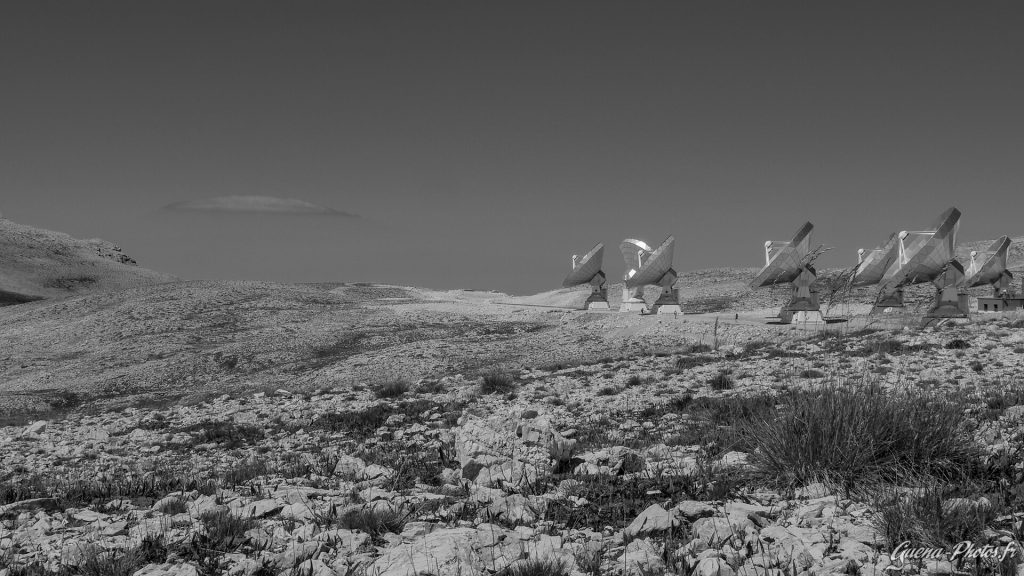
pixel 634 252
pixel 872 264
pixel 791 263
pixel 989 267
pixel 923 254
pixel 587 270
pixel 926 256
pixel 784 260
pixel 654 266
pixel 645 266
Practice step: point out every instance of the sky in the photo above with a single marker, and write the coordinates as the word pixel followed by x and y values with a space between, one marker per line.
pixel 480 144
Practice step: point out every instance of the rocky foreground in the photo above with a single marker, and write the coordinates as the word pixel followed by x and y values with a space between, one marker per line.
pixel 648 464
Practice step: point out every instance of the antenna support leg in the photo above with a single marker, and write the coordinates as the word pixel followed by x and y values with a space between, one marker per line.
pixel 598 299
pixel 803 306
pixel 950 298
pixel 633 300
pixel 889 297
pixel 668 300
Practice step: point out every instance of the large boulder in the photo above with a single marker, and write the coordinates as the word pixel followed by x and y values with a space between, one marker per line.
pixel 448 552
pixel 491 453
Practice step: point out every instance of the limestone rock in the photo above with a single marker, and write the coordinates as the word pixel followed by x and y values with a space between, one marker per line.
pixel 653 519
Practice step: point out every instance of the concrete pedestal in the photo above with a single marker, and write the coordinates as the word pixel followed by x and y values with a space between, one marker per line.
pixel 598 299
pixel 633 300
pixel 950 306
pixel 889 300
pixel 950 300
pixel 667 303
pixel 802 317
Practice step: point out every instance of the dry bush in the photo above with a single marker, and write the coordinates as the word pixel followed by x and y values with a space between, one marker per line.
pixel 847 434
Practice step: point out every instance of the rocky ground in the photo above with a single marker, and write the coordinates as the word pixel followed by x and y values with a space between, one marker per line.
pixel 150 426
pixel 645 463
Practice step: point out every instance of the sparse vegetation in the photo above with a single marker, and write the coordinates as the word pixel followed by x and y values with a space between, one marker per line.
pixel 849 434
pixel 722 381
pixel 497 382
pixel 391 388
pixel 537 567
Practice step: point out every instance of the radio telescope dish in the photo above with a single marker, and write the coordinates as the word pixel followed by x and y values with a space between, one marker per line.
pixel 791 263
pixel 989 267
pixel 784 260
pixel 872 264
pixel 645 266
pixel 587 270
pixel 634 252
pixel 923 256
pixel 655 266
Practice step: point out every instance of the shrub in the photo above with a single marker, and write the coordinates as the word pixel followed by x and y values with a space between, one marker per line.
pixel 375 522
pixel 637 380
pixel 226 432
pixel 497 382
pixel 722 381
pixel 537 567
pixel 957 344
pixel 391 389
pixel 364 422
pixel 224 531
pixel 845 434
pixel 411 467
pixel 932 516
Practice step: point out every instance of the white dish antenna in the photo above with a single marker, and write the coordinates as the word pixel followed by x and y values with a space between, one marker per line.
pixel 584 269
pixel 645 266
pixel 923 255
pixel 790 263
pixel 634 253
pixel 587 270
pixel 872 264
pixel 784 261
pixel 988 267
pixel 653 266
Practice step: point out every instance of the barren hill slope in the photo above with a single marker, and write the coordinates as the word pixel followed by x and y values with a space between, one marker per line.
pixel 37 263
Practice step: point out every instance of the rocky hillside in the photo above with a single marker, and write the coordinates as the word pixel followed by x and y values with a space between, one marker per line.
pixel 37 263
pixel 697 462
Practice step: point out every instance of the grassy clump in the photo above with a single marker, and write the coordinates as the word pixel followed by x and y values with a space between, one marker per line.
pixel 375 522
pixel 224 532
pixel 497 382
pixel 722 381
pixel 411 467
pixel 84 492
pixel 846 434
pixel 957 344
pixel 228 433
pixel 97 561
pixel 537 567
pixel 933 515
pixel 364 422
pixel 637 380
pixel 391 388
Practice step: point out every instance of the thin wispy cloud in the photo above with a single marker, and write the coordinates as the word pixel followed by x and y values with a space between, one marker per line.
pixel 256 205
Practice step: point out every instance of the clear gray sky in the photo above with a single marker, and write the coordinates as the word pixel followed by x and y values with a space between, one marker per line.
pixel 483 142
